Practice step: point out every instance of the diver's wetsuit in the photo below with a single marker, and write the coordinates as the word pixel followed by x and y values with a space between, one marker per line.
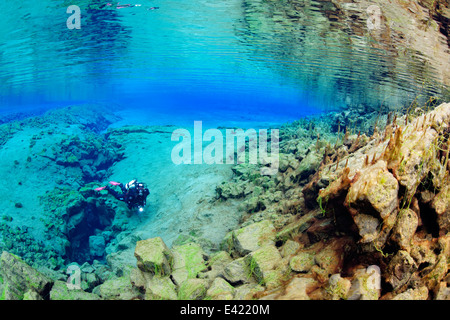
pixel 132 197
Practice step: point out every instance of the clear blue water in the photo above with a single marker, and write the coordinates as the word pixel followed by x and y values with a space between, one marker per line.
pixel 189 59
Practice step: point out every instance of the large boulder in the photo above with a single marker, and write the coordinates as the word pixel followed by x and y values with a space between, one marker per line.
pixel 153 256
pixel 253 237
pixel 374 193
pixel 187 262
pixel 266 265
pixel 160 288
pixel 217 263
pixel 97 246
pixel 193 289
pixel 21 280
pixel 237 271
pixel 220 289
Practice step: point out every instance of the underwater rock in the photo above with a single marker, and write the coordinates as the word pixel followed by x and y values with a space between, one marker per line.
pixel 302 262
pixel 153 256
pixel 220 289
pixel 298 288
pixel 217 263
pixel 253 237
pixel 413 294
pixel 118 289
pixel 187 262
pixel 237 271
pixel 230 190
pixel 441 204
pixel 338 287
pixel 60 291
pixel 97 246
pixel 375 192
pixel 266 266
pixel 443 292
pixel 160 288
pixel 20 279
pixel 405 227
pixel 193 289
pixel 400 270
pixel 366 284
pixel 289 248
pixel 247 291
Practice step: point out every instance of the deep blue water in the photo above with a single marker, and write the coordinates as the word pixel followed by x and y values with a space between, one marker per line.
pixel 187 59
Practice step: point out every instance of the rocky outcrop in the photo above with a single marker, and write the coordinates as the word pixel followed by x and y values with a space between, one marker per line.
pixel 22 281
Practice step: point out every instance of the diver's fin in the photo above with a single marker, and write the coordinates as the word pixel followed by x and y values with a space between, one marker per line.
pixel 100 188
pixel 114 183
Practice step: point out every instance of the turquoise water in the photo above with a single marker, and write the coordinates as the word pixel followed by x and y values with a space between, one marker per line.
pixel 184 59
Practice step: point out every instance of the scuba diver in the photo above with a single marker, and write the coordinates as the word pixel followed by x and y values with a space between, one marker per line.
pixel 134 193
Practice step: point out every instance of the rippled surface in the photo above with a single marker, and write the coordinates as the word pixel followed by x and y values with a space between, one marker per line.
pixel 282 57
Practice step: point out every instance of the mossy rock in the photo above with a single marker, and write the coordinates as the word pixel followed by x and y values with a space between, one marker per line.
pixel 193 289
pixel 220 289
pixel 187 262
pixel 253 237
pixel 302 262
pixel 153 256
pixel 118 289
pixel 19 278
pixel 60 291
pixel 160 288
pixel 266 265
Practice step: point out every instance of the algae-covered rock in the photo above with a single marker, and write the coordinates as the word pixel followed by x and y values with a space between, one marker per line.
pixel 237 271
pixel 266 265
pixel 298 289
pixel 405 227
pixel 338 287
pixel 60 291
pixel 118 289
pixel 247 291
pixel 302 262
pixel 413 294
pixel 441 204
pixel 366 284
pixel 220 289
pixel 217 263
pixel 160 288
pixel 153 256
pixel 374 193
pixel 289 248
pixel 253 237
pixel 19 278
pixel 193 289
pixel 400 269
pixel 187 262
